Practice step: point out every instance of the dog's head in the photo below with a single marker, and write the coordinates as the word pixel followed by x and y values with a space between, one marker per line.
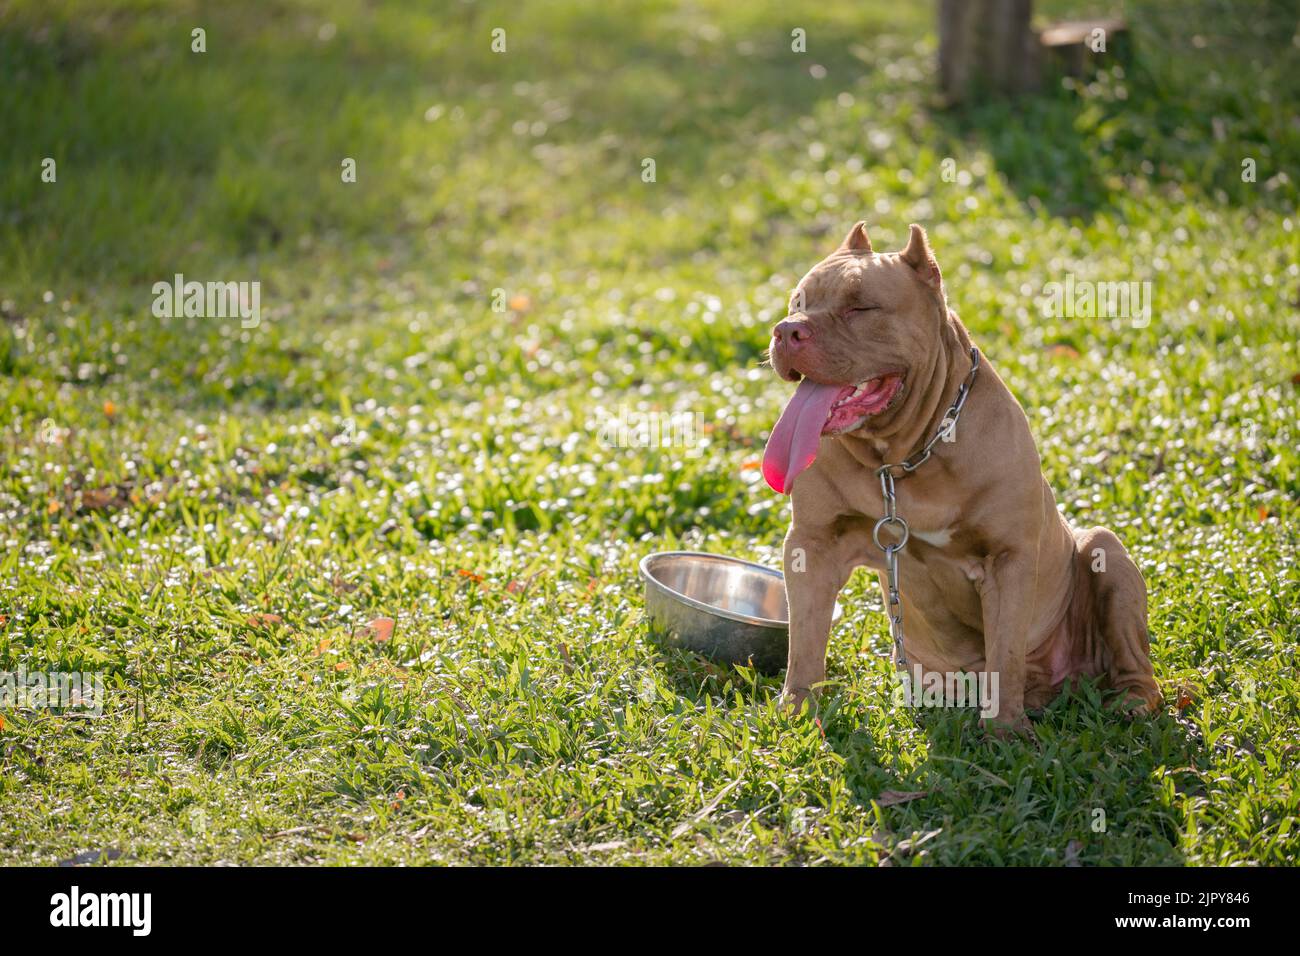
pixel 860 324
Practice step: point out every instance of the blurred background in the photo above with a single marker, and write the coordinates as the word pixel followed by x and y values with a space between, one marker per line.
pixel 463 152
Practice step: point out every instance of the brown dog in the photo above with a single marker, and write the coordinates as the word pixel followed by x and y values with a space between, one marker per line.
pixel 992 579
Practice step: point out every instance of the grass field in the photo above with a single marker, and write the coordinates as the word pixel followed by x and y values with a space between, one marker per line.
pixel 211 516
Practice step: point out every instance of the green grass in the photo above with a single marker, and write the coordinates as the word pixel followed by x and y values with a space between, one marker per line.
pixel 385 444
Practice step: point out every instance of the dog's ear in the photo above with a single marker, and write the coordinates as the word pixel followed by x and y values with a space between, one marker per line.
pixel 856 240
pixel 919 256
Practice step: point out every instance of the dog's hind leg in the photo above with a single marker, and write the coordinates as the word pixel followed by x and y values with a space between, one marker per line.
pixel 1119 612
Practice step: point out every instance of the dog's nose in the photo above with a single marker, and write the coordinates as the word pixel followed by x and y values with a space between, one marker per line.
pixel 792 332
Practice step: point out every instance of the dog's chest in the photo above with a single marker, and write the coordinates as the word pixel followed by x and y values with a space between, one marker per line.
pixel 931 517
pixel 937 539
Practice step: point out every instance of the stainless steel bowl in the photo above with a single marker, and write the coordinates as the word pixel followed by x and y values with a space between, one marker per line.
pixel 728 610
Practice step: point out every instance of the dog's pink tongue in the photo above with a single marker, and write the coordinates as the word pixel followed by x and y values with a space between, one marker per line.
pixel 798 431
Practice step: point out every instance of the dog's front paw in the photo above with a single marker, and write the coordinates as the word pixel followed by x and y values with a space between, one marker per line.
pixel 1007 727
pixel 796 699
pixel 1139 702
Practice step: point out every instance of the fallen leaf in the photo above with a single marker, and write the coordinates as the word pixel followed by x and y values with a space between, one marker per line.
pixel 97 498
pixel 381 629
pixel 322 647
pixel 342 586
pixel 101 499
pixel 890 798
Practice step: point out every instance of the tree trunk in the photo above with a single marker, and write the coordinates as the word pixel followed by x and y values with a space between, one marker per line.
pixel 986 46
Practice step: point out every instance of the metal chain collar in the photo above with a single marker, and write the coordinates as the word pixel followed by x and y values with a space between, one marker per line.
pixel 893 518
